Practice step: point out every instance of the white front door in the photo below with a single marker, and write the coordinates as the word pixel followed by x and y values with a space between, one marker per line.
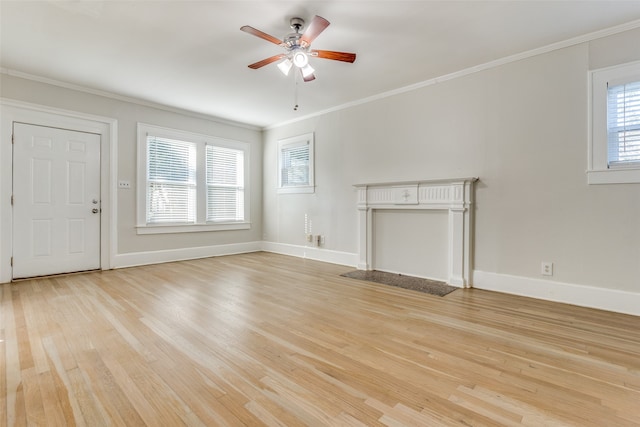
pixel 56 201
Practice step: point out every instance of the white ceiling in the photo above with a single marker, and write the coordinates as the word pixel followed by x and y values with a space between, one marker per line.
pixel 192 55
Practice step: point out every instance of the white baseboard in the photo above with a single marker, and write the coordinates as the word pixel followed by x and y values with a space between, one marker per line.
pixel 155 257
pixel 585 296
pixel 316 254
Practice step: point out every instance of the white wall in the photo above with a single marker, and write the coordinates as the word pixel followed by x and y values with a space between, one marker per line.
pixel 132 248
pixel 523 129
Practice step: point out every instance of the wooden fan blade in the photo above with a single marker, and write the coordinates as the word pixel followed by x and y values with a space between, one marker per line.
pixel 258 33
pixel 309 78
pixel 337 56
pixel 317 25
pixel 267 61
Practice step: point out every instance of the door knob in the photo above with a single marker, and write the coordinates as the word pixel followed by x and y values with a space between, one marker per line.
pixel 95 210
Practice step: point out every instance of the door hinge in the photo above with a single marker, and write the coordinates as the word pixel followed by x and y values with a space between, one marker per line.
pixel 12 200
pixel 12 136
pixel 11 261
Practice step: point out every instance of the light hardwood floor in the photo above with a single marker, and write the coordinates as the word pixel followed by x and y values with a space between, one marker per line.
pixel 265 339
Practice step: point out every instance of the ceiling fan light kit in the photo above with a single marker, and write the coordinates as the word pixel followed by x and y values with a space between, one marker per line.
pixel 285 66
pixel 307 71
pixel 300 59
pixel 297 47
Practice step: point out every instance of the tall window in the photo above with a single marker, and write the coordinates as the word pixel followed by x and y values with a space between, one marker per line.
pixel 190 182
pixel 295 164
pixel 225 184
pixel 171 181
pixel 614 150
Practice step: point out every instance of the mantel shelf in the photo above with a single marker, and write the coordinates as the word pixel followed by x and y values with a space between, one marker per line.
pixel 423 181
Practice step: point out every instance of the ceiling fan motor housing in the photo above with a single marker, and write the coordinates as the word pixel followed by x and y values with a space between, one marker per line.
pixel 292 40
pixel 297 24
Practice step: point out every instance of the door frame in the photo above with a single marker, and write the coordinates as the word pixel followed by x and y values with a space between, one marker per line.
pixel 17 111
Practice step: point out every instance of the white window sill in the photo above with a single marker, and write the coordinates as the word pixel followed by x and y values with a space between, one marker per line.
pixel 614 176
pixel 191 228
pixel 293 190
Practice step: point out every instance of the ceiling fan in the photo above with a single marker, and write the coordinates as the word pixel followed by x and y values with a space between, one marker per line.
pixel 297 47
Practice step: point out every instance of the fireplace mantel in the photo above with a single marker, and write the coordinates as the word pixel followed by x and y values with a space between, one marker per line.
pixel 453 195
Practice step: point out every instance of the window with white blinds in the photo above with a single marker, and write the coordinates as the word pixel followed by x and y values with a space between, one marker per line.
pixel 623 124
pixel 225 184
pixel 614 145
pixel 190 182
pixel 295 164
pixel 171 181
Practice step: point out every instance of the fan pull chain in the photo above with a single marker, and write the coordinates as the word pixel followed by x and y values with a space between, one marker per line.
pixel 295 93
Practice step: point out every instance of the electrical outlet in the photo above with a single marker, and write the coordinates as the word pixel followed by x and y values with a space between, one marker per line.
pixel 547 268
pixel 126 185
pixel 322 240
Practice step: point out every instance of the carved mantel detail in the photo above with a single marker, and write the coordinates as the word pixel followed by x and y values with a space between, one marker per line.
pixel 453 195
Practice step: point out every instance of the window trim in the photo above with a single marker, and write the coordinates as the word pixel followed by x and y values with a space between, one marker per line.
pixel 307 139
pixel 598 170
pixel 201 142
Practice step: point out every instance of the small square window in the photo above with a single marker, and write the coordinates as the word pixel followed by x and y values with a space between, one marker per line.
pixel 295 165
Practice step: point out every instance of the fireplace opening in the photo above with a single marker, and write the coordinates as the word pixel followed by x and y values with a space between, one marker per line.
pixel 411 242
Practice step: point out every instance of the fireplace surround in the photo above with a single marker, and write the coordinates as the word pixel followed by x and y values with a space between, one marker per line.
pixel 452 195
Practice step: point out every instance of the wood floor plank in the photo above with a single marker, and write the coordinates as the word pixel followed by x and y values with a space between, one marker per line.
pixel 266 339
